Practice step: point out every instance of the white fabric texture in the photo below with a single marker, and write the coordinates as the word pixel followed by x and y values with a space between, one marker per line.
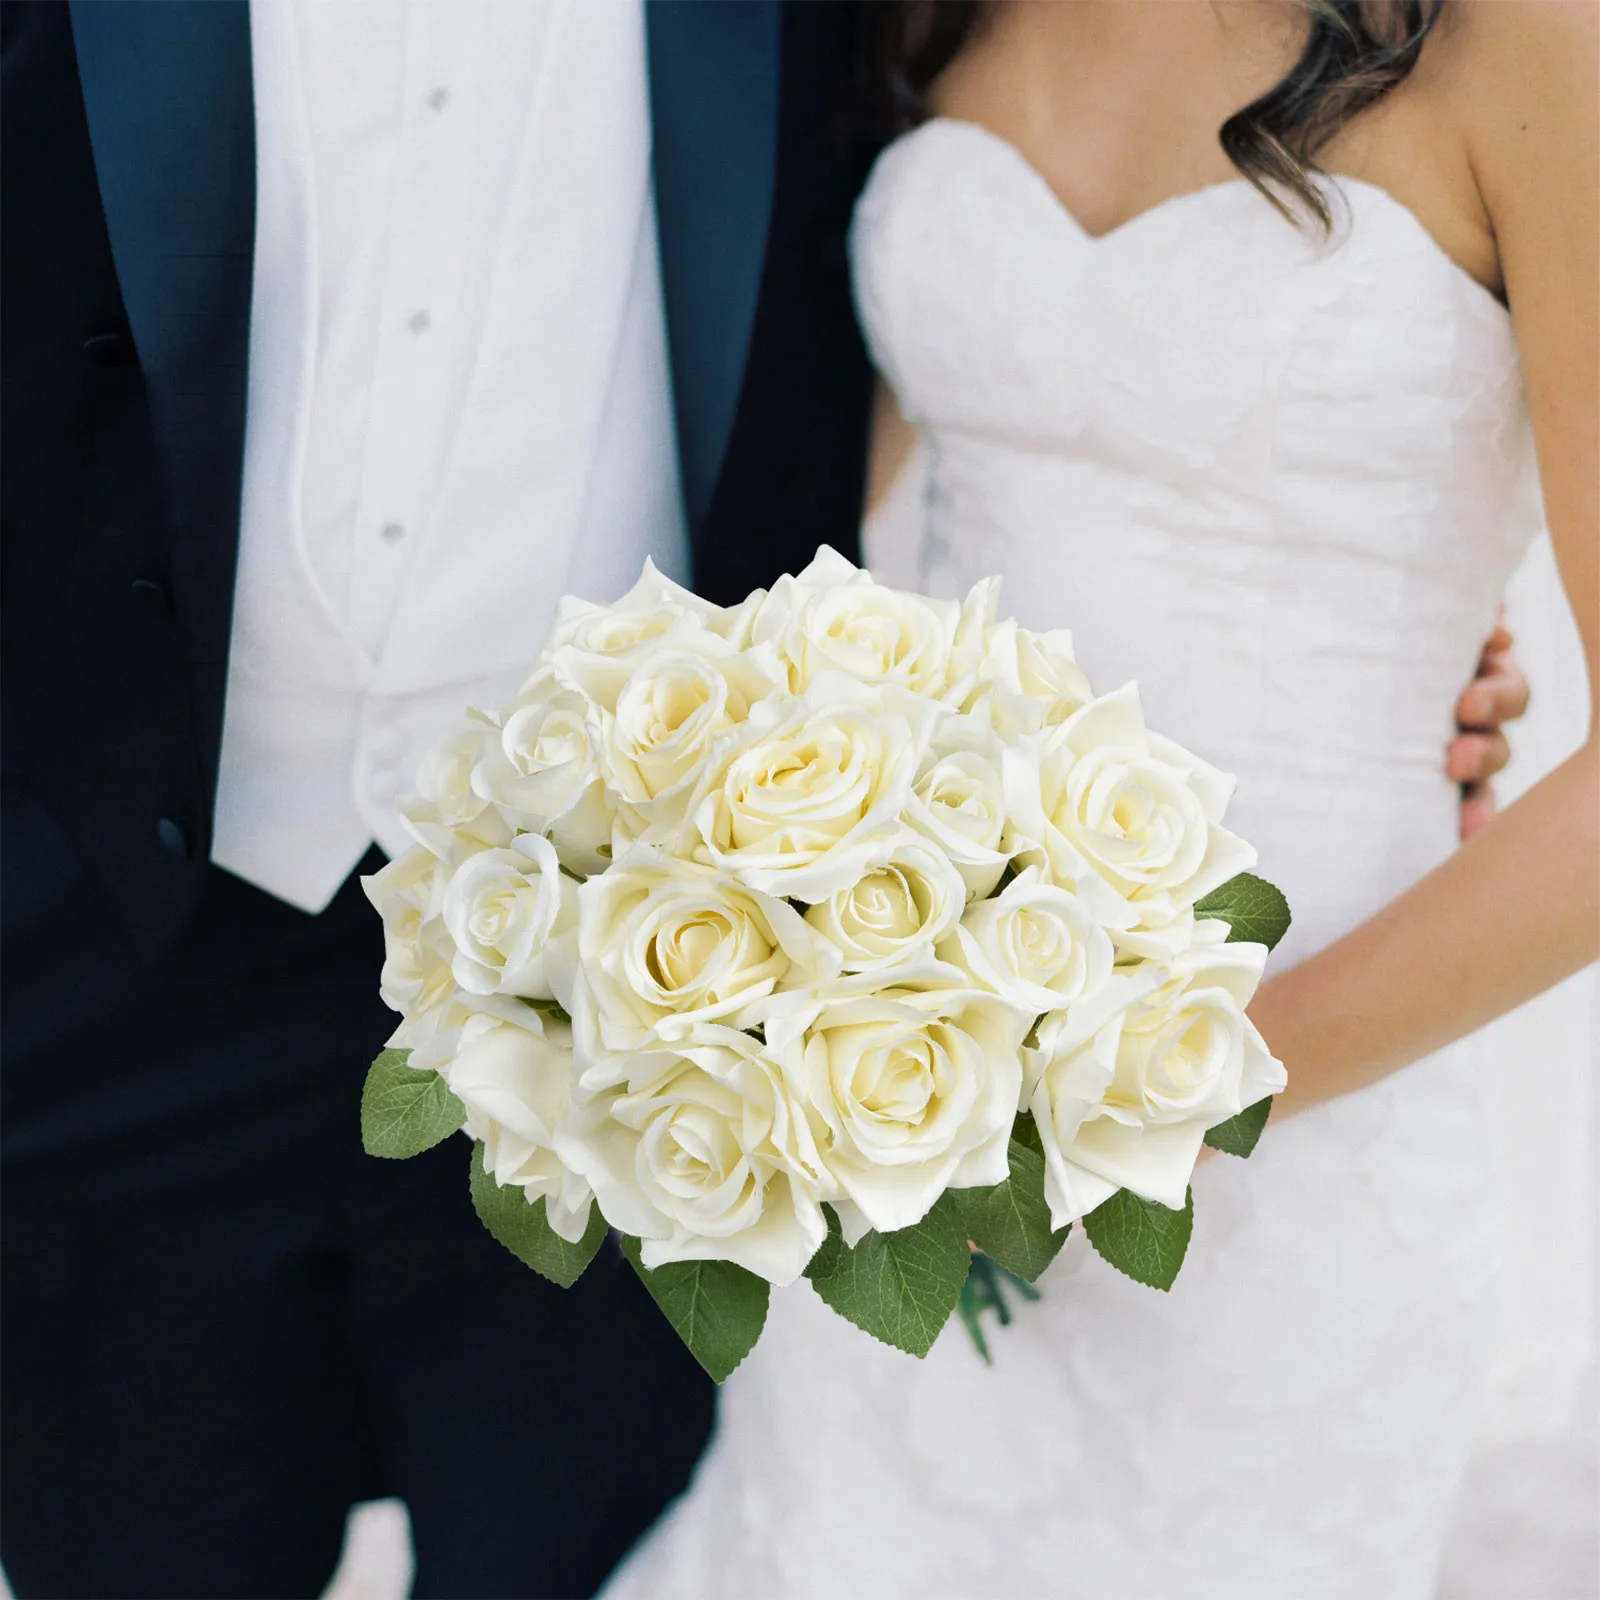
pixel 459 402
pixel 1281 481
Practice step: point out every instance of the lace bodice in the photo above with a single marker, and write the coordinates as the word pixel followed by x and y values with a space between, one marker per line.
pixel 1280 480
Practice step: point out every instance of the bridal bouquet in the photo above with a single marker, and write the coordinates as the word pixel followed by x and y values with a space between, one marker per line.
pixel 828 936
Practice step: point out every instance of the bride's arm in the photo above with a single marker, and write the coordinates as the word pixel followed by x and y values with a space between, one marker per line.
pixel 890 446
pixel 1515 909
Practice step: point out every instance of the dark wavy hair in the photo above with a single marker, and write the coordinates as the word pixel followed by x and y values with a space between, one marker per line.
pixel 1355 52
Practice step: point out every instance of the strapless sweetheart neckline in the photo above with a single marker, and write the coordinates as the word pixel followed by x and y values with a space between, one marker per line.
pixel 1165 209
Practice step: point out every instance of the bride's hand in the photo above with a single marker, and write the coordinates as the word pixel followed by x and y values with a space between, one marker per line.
pixel 1498 694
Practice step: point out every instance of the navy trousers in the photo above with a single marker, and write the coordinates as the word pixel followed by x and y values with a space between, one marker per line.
pixel 223 1323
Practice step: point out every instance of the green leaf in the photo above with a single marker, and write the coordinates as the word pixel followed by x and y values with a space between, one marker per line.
pixel 1254 909
pixel 523 1227
pixel 1237 1136
pixel 1010 1222
pixel 1145 1240
pixel 404 1112
pixel 718 1309
pixel 547 1008
pixel 900 1287
pixel 1025 1131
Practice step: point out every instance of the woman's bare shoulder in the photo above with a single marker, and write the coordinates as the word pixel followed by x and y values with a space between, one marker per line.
pixel 1505 34
pixel 1524 79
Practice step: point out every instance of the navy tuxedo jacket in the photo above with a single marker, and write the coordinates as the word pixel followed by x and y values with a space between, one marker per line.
pixel 128 180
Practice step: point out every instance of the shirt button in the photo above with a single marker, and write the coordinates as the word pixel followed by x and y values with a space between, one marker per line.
pixel 419 322
pixel 393 532
pixel 438 99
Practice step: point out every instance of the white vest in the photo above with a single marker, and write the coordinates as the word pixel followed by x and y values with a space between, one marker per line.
pixel 459 402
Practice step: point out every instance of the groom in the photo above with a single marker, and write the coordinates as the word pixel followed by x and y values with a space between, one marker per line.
pixel 337 346
pixel 339 341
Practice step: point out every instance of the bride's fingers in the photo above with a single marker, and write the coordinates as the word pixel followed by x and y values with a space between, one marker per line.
pixel 1474 757
pixel 1499 641
pixel 1497 695
pixel 1477 807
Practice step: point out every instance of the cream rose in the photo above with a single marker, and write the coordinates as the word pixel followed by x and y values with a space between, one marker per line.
pixel 446 814
pixel 958 802
pixel 896 912
pixel 504 909
pixel 1124 1089
pixel 807 796
pixel 1034 944
pixel 595 649
pixel 515 1079
pixel 971 646
pixel 1125 817
pixel 408 894
pixel 665 945
pixel 539 771
pixel 668 718
pixel 1038 679
pixel 910 1089
pixel 699 1150
pixel 834 618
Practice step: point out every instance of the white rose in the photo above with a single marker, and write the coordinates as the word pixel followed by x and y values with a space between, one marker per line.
pixel 538 770
pixel 446 814
pixel 1038 679
pixel 668 719
pixel 1034 943
pixel 1103 805
pixel 895 912
pixel 504 908
pixel 806 797
pixel 595 649
pixel 515 1080
pixel 910 1090
pixel 971 645
pixel 958 802
pixel 408 894
pixel 1124 1091
pixel 699 1150
pixel 665 945
pixel 834 618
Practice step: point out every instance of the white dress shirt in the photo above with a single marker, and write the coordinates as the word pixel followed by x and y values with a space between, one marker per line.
pixel 459 401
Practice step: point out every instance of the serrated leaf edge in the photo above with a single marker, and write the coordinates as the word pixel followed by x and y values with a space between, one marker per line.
pixel 1116 1266
pixel 393 1063
pixel 634 1257
pixel 816 1279
pixel 1227 1149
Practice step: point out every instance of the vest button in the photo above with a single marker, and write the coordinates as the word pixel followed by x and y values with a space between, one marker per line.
pixel 152 592
pixel 109 350
pixel 174 839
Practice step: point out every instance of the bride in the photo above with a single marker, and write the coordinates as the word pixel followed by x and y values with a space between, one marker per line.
pixel 1259 431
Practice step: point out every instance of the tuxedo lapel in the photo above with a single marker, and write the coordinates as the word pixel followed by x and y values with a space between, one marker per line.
pixel 714 70
pixel 168 93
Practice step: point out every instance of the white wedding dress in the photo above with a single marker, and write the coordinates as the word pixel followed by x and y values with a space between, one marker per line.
pixel 1281 481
